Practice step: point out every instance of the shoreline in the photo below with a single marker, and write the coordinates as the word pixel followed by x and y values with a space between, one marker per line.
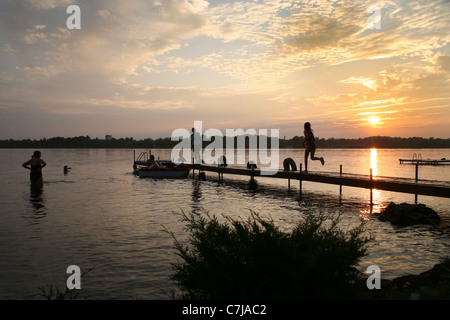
pixel 379 142
pixel 433 284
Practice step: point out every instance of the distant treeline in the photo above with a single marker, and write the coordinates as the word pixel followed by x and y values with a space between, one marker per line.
pixel 161 143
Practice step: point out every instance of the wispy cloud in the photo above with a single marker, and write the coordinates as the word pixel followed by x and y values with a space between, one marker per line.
pixel 272 63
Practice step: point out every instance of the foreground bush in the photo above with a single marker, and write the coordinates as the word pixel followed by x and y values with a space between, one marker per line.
pixel 254 259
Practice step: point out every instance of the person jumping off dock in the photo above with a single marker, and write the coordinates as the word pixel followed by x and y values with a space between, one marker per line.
pixel 310 142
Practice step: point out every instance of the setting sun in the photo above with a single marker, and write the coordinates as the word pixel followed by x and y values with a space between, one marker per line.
pixel 374 120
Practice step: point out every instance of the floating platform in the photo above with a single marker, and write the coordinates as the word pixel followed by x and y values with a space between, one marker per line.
pixel 425 162
pixel 417 160
pixel 404 185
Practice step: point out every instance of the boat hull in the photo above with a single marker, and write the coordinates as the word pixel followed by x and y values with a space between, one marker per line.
pixel 163 169
pixel 163 173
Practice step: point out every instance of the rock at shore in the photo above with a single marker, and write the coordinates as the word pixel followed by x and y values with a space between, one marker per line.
pixel 431 278
pixel 433 284
pixel 409 214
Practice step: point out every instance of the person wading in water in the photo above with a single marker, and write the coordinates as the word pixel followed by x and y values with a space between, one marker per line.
pixel 35 165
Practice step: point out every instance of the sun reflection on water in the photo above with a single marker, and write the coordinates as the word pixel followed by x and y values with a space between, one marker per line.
pixel 376 203
pixel 373 161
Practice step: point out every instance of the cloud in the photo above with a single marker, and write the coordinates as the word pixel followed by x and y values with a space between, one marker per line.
pixel 338 32
pixel 443 63
pixel 34 36
pixel 47 4
pixel 260 61
pixel 368 82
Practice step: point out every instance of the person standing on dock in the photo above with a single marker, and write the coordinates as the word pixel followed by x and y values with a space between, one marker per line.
pixel 310 145
pixel 35 165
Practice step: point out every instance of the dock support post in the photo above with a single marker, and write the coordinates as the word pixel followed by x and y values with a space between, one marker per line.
pixel 371 192
pixel 253 182
pixel 300 187
pixel 417 172
pixel 220 173
pixel 416 179
pixel 340 186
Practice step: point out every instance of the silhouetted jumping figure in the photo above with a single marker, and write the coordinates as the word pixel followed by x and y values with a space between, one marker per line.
pixel 310 145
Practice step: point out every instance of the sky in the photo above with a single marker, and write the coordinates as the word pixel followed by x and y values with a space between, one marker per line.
pixel 144 68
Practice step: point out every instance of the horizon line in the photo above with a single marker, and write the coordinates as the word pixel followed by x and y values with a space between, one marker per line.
pixel 280 138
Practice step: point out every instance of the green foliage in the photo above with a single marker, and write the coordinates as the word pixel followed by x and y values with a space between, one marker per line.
pixel 56 294
pixel 254 259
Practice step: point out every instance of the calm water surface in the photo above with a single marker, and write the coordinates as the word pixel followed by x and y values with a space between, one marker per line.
pixel 101 216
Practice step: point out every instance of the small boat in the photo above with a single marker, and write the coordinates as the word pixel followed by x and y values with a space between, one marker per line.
pixel 163 169
pixel 146 166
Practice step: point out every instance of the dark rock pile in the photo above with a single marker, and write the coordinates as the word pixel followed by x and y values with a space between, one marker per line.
pixel 405 214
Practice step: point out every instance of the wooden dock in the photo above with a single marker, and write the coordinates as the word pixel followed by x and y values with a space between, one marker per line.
pixel 403 185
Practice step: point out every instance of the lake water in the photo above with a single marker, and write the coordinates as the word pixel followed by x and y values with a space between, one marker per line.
pixel 101 216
